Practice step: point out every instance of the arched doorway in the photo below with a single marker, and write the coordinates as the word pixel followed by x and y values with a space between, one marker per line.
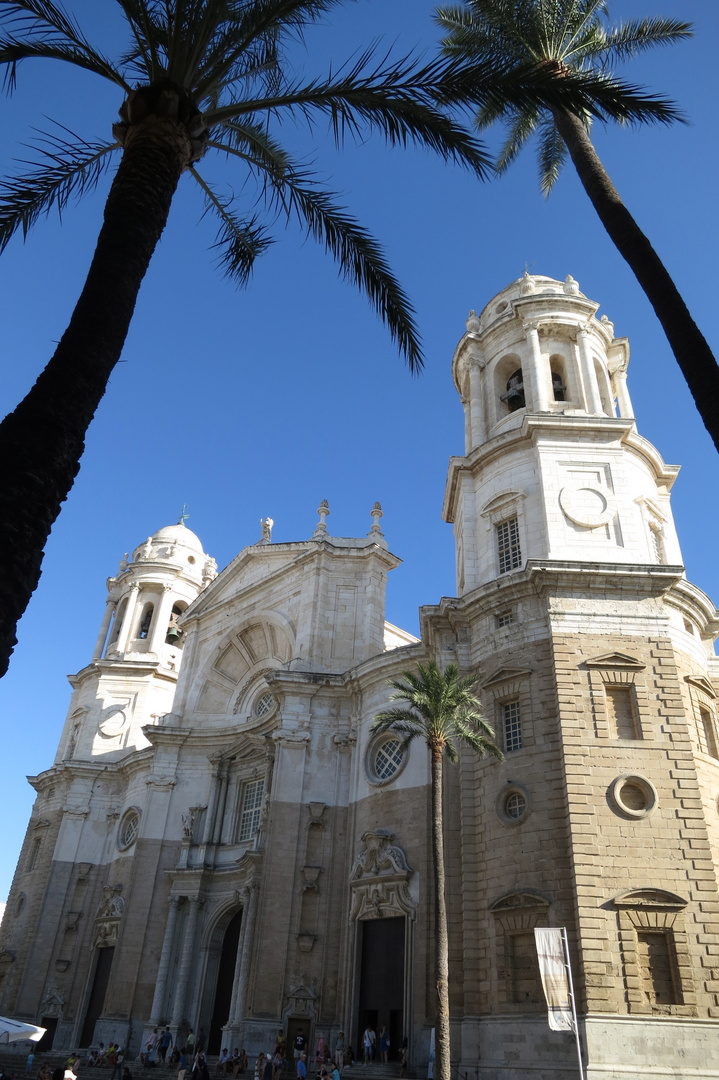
pixel 225 979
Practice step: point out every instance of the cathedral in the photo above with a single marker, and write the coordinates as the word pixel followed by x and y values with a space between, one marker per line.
pixel 222 843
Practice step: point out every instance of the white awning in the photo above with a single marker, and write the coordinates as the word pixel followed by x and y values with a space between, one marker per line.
pixel 14 1031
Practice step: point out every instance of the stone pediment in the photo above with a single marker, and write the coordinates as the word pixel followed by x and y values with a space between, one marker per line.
pixel 701 683
pixel 497 502
pixel 615 660
pixel 506 674
pixel 650 898
pixel 516 900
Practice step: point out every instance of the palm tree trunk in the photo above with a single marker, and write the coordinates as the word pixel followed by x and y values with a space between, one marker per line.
pixel 42 441
pixel 688 344
pixel 442 1064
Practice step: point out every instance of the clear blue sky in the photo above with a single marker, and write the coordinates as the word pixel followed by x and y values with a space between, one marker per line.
pixel 243 404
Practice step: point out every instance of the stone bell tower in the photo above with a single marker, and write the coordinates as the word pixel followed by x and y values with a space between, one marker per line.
pixel 137 655
pixel 598 674
pixel 554 467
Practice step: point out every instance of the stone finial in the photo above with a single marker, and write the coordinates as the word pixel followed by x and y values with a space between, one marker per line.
pixel 608 325
pixel 527 286
pixel 147 548
pixel 324 511
pixel 473 323
pixel 209 571
pixel 571 287
pixel 376 514
pixel 123 563
pixel 266 524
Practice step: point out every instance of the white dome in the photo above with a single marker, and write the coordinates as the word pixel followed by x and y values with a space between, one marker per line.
pixel 179 534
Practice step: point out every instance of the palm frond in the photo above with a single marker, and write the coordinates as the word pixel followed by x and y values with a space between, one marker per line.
pixel 41 29
pixel 552 153
pixel 629 39
pixel 396 100
pixel 522 129
pixel 358 255
pixel 149 35
pixel 239 240
pixel 67 168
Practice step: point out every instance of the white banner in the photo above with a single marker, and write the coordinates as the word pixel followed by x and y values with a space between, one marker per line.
pixel 553 969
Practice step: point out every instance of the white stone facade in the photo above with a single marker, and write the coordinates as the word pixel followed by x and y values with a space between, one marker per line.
pixel 222 843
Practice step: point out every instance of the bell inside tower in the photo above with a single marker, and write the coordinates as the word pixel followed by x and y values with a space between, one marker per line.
pixel 514 396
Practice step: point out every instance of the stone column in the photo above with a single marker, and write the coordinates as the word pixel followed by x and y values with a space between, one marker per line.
pixel 162 620
pixel 128 618
pixel 234 1017
pixel 104 627
pixel 222 781
pixel 477 425
pixel 538 374
pixel 212 807
pixel 591 387
pixel 623 400
pixel 246 956
pixel 158 1001
pixel 188 952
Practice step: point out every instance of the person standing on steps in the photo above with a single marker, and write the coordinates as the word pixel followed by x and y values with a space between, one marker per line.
pixel 383 1044
pixel 299 1045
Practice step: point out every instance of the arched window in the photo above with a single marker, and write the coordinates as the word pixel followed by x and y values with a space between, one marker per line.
pixel 174 633
pixel 143 630
pixel 558 387
pixel 514 394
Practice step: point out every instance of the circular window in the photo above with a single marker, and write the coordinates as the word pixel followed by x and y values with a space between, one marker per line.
pixel 501 306
pixel 385 759
pixel 634 796
pixel 264 704
pixel 129 828
pixel 191 560
pixel 513 804
pixel 388 759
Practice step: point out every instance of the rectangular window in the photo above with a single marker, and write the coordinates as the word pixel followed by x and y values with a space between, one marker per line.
pixel 504 618
pixel 656 968
pixel 707 737
pixel 524 968
pixel 251 809
pixel 657 545
pixel 508 550
pixel 34 853
pixel 512 726
pixel 620 712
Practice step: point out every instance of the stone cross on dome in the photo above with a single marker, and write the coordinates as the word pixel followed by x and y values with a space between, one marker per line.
pixel 183 515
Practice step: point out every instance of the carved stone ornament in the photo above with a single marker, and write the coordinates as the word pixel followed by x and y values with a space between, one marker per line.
pixel 53 1002
pixel 301 1001
pixel 109 913
pixel 380 879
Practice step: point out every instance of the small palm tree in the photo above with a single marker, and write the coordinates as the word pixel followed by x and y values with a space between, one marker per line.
pixel 197 76
pixel 572 39
pixel 444 712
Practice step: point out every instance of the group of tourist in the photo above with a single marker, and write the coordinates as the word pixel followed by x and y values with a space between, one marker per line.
pixel 191 1057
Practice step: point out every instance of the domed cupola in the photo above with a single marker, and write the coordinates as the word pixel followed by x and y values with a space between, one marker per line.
pixel 149 594
pixel 538 348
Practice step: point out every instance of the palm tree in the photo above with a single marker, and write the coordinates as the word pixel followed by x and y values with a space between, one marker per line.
pixel 443 711
pixel 196 76
pixel 572 37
